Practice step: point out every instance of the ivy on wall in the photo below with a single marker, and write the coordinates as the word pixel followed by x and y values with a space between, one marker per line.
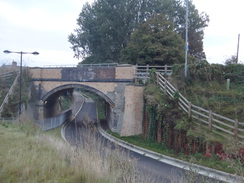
pixel 166 124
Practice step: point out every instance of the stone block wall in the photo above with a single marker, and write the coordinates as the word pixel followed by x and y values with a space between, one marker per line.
pixel 133 111
pixel 127 72
pixel 84 73
pixel 45 73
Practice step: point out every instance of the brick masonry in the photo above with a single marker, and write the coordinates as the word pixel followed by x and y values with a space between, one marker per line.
pixel 126 115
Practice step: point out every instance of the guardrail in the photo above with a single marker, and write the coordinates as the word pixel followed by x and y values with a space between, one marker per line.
pixel 82 65
pixel 143 72
pixel 9 93
pixel 221 125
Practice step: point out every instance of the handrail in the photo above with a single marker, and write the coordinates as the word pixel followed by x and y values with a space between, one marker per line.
pixel 202 116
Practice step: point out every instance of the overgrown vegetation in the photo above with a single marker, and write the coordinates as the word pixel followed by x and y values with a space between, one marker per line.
pixel 65 101
pixel 5 84
pixel 229 165
pixel 206 87
pixel 11 109
pixel 169 131
pixel 28 155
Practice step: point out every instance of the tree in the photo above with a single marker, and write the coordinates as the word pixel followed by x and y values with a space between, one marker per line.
pixel 197 23
pixel 155 42
pixel 231 60
pixel 105 27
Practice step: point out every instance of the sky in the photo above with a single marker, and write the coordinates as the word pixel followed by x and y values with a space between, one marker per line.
pixel 44 26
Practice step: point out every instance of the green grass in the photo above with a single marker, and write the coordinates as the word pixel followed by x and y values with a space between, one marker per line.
pixel 56 132
pixel 28 155
pixel 215 96
pixel 198 158
pixel 30 159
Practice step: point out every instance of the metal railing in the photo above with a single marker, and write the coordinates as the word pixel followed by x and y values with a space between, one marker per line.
pixel 220 124
pixel 82 65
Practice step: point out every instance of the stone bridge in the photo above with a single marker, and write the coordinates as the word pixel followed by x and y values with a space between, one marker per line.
pixel 113 83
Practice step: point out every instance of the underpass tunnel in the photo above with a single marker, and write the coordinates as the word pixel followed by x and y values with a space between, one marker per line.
pixel 52 101
pixel 103 107
pixel 52 105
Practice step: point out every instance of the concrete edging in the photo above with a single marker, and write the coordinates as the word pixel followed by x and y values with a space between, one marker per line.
pixel 209 172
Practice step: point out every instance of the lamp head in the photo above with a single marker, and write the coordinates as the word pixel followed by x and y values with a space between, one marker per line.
pixel 35 53
pixel 6 51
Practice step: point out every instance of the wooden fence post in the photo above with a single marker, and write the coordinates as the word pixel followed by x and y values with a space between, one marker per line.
pixel 165 69
pixel 210 120
pixel 136 80
pixel 157 77
pixel 147 71
pixel 189 109
pixel 165 86
pixel 236 129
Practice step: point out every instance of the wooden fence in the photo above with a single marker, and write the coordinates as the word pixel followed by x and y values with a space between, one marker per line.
pixel 219 124
pixel 143 72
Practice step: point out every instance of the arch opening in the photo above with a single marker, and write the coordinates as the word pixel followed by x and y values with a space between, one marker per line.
pixel 51 99
pixel 79 86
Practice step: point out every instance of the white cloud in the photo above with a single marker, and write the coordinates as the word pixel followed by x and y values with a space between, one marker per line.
pixel 41 26
pixel 38 18
pixel 221 35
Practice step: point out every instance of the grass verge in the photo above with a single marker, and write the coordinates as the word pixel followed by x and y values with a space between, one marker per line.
pixel 29 155
pixel 229 166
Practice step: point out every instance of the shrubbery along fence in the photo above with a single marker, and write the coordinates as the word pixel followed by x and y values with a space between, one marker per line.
pixel 215 122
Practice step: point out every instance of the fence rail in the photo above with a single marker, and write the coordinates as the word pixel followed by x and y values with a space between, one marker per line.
pixel 143 72
pixel 221 125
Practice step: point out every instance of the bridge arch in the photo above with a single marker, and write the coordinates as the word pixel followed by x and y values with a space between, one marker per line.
pixel 81 86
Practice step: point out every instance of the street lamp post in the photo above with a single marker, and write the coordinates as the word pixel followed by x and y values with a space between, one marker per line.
pixel 20 79
pixel 186 46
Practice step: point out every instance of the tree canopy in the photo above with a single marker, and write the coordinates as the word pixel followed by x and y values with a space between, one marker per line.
pixel 155 42
pixel 105 27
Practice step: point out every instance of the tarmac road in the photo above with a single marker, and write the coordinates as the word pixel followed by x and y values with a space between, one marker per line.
pixel 76 132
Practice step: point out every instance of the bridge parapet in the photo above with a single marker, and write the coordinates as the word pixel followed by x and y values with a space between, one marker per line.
pixel 88 73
